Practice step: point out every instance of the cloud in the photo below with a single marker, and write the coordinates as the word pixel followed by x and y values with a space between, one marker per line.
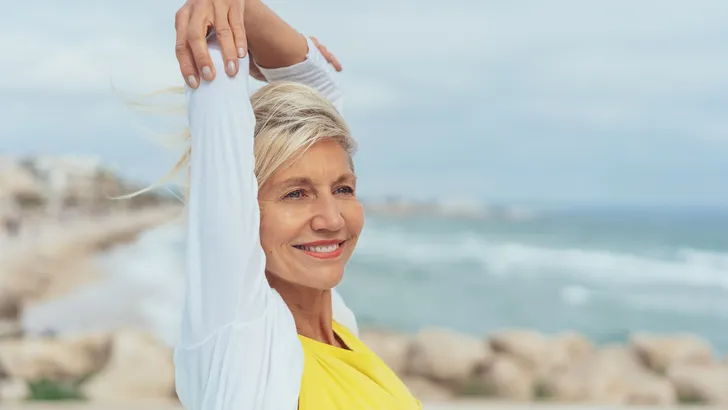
pixel 527 99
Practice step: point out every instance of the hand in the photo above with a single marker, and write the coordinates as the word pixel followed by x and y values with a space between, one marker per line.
pixel 328 55
pixel 330 58
pixel 193 22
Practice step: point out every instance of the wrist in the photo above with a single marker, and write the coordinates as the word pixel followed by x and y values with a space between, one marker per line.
pixel 271 40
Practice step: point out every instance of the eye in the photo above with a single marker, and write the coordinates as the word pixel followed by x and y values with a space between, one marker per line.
pixel 345 189
pixel 297 194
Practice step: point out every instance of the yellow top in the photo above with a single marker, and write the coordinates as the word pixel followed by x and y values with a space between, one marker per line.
pixel 356 379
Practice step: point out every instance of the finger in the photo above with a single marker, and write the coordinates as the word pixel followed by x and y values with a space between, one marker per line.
pixel 330 57
pixel 325 52
pixel 187 65
pixel 227 42
pixel 198 44
pixel 182 51
pixel 236 18
pixel 334 62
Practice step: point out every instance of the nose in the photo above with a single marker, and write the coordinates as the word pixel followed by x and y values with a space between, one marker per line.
pixel 327 216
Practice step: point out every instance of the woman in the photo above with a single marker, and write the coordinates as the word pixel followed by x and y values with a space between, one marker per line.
pixel 257 329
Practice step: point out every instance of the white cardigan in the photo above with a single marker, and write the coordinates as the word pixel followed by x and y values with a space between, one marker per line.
pixel 238 348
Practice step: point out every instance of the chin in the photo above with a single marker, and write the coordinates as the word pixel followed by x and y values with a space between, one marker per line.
pixel 325 279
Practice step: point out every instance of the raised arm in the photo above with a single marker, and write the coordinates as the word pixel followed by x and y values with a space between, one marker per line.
pixel 225 262
pixel 238 347
pixel 284 54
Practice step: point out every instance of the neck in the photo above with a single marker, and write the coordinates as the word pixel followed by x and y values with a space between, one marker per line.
pixel 311 310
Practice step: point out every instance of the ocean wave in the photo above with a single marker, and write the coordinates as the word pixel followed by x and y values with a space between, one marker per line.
pixel 143 284
pixel 684 266
pixel 143 287
pixel 676 303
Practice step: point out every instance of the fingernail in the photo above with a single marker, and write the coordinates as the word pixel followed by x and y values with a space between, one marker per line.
pixel 207 73
pixel 231 67
pixel 241 52
pixel 192 81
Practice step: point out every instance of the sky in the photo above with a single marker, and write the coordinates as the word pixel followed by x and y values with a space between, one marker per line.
pixel 529 102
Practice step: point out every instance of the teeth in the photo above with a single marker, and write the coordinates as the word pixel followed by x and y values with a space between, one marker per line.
pixel 321 249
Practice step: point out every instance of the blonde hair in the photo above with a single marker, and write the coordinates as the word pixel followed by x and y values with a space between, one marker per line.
pixel 289 118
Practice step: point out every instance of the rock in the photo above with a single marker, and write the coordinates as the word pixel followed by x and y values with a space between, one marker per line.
pixel 10 305
pixel 391 347
pixel 446 356
pixel 17 181
pixel 10 329
pixel 563 350
pixel 527 346
pixel 424 389
pixel 13 390
pixel 660 352
pixel 507 378
pixel 540 355
pixel 707 384
pixel 559 353
pixel 613 375
pixel 54 359
pixel 140 367
pixel 648 389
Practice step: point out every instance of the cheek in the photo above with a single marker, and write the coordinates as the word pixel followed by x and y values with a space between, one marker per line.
pixel 353 213
pixel 267 232
pixel 280 225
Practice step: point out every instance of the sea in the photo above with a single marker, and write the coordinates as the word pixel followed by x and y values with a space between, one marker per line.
pixel 604 272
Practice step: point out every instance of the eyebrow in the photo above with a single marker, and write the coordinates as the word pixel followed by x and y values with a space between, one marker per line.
pixel 304 181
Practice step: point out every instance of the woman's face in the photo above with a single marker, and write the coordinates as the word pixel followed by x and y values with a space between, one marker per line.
pixel 311 217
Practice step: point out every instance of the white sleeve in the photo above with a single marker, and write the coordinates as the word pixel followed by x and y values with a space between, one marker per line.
pixel 238 346
pixel 314 72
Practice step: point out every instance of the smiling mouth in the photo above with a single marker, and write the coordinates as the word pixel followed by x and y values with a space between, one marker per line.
pixel 328 251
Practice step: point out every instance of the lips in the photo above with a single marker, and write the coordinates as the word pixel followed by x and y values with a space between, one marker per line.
pixel 322 249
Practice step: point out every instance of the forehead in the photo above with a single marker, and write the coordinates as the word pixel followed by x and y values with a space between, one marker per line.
pixel 325 160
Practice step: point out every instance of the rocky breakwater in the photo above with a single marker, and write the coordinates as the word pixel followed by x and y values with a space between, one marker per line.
pixel 525 365
pixel 436 364
pixel 127 365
